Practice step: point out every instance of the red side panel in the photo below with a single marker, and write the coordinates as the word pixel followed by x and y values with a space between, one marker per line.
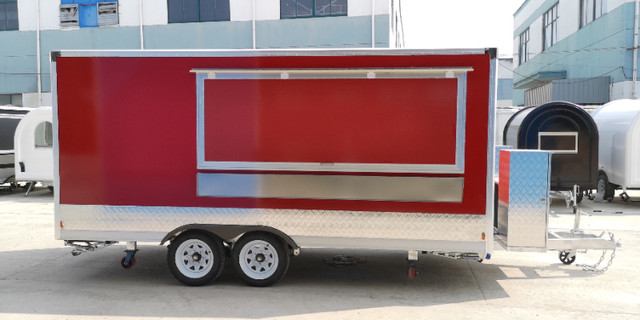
pixel 503 189
pixel 128 127
pixel 331 120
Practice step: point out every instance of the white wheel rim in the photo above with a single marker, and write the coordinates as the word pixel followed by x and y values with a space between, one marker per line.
pixel 258 259
pixel 194 258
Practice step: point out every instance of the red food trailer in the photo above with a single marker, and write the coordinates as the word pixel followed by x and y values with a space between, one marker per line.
pixel 257 155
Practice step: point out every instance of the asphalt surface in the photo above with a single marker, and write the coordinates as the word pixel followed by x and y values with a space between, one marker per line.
pixel 40 279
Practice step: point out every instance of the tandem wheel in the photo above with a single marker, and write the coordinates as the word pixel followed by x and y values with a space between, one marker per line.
pixel 196 258
pixel 260 259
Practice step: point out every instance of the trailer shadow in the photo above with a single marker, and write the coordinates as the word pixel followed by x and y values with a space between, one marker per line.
pixel 52 282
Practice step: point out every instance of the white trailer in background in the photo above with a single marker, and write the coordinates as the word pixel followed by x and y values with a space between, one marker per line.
pixel 619 154
pixel 9 118
pixel 33 143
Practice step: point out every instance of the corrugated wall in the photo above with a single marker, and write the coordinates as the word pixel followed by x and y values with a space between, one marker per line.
pixel 582 91
pixel 579 91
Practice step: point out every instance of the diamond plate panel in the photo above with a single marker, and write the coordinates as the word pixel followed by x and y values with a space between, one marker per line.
pixel 528 198
pixel 301 223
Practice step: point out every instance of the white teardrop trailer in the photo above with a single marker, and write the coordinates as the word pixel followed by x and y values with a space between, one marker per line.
pixel 33 141
pixel 273 152
pixel 619 154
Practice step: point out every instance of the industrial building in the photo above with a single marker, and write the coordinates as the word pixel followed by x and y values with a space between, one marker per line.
pixel 582 51
pixel 30 29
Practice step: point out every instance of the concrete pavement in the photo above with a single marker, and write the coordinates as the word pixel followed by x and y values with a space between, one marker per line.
pixel 39 279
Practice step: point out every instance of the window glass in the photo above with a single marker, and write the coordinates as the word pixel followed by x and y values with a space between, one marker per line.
pixel 191 10
pixel 305 8
pixel 222 11
pixel 8 15
pixel 523 51
pixel 207 10
pixel 550 32
pixel 590 10
pixel 323 7
pixel 288 8
pixel 198 10
pixel 312 8
pixel 12 15
pixel 175 11
pixel 3 16
pixel 339 7
pixel 44 135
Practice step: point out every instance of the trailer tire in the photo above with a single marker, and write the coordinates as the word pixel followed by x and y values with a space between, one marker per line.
pixel 196 258
pixel 604 188
pixel 260 259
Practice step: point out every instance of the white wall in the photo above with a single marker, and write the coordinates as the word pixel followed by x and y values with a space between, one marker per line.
pixel 568 18
pixel 49 15
pixel 363 7
pixel 525 12
pixel 242 10
pixel 623 90
pixel 154 12
pixel 505 68
pixel 30 100
pixel 613 4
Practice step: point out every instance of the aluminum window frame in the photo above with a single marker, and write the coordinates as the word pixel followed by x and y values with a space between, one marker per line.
pixel 574 134
pixel 550 27
pixel 523 47
pixel 459 73
pixel 590 10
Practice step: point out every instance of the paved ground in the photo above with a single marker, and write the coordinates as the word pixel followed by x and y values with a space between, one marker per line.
pixel 39 279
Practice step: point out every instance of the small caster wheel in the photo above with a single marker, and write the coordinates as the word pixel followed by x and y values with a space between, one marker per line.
pixel 128 264
pixel 565 258
pixel 624 197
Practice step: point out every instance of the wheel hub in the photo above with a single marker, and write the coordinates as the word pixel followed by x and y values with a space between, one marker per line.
pixel 260 257
pixel 196 257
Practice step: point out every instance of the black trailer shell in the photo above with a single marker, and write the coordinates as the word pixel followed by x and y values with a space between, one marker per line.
pixel 566 130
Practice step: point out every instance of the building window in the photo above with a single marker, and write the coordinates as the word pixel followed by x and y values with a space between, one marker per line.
pixel 312 8
pixel 550 25
pixel 88 13
pixel 589 11
pixel 198 10
pixel 8 15
pixel 523 49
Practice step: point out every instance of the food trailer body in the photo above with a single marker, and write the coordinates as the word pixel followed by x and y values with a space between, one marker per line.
pixel 254 156
pixel 619 156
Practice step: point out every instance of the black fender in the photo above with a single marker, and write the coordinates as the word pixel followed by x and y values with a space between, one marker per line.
pixel 230 233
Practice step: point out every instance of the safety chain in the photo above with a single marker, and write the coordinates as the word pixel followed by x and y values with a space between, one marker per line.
pixel 594 268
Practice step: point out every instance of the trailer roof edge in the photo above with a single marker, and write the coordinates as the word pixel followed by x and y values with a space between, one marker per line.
pixel 492 52
pixel 263 52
